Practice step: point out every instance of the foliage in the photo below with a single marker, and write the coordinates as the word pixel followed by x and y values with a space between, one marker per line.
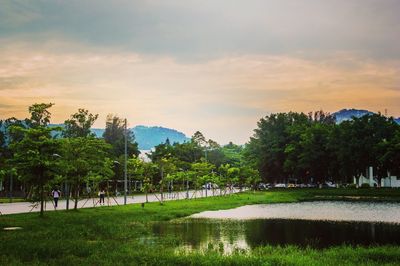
pixel 115 135
pixel 33 155
pixel 83 159
pixel 79 124
pixel 312 148
pixel 40 115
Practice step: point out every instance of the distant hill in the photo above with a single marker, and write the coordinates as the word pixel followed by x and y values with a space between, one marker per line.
pixel 348 114
pixel 148 137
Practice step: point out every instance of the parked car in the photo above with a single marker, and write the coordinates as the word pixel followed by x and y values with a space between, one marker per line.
pixel 329 185
pixel 281 185
pixel 263 186
pixel 209 186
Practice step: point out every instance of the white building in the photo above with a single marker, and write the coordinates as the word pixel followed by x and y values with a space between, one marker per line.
pixel 368 179
pixel 389 181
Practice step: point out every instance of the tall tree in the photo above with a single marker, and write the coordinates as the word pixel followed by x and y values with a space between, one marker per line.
pixel 115 135
pixel 266 148
pixel 40 115
pixel 34 154
pixel 82 158
pixel 79 124
pixel 199 138
pixel 315 157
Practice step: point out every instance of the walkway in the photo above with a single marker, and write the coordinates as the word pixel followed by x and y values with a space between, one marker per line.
pixel 24 207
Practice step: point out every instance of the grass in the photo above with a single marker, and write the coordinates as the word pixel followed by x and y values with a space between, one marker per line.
pixel 112 235
pixel 7 200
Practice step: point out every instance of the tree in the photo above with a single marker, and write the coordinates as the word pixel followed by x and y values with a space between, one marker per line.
pixel 367 139
pixel 251 176
pixel 135 168
pixel 199 138
pixel 115 135
pixel 40 115
pixel 390 158
pixel 33 155
pixel 2 136
pixel 161 151
pixel 315 157
pixel 150 170
pixel 167 167
pixel 266 149
pixel 188 152
pixel 2 150
pixel 79 124
pixel 83 158
pixel 233 154
pixel 203 171
pixel 298 146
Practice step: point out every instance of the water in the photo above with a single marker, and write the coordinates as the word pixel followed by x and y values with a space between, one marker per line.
pixel 315 224
pixel 318 210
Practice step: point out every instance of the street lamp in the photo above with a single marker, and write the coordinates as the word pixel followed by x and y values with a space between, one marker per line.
pixel 126 163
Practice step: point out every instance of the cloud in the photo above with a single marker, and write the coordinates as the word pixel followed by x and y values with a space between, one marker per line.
pixel 200 30
pixel 218 96
pixel 215 66
pixel 14 14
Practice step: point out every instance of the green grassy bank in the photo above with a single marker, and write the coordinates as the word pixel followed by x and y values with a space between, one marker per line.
pixel 113 235
pixel 7 200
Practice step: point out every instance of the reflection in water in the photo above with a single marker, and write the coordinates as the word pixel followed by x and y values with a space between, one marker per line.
pixel 317 210
pixel 202 234
pixel 227 235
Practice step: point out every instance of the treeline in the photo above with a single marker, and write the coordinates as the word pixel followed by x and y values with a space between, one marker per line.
pixel 286 147
pixel 40 158
pixel 313 148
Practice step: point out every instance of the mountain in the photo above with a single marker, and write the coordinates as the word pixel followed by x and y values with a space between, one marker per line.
pixel 348 114
pixel 148 137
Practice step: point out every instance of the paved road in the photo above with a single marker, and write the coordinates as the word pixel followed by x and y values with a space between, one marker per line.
pixel 23 207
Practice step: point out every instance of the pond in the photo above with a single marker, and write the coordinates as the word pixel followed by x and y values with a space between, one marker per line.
pixel 315 224
pixel 316 210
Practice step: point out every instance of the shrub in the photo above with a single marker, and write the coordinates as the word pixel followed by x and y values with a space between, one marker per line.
pixel 365 185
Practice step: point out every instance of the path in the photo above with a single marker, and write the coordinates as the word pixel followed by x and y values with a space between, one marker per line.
pixel 24 207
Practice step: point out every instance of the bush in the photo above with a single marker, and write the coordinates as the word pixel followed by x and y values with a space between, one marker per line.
pixel 352 186
pixel 365 185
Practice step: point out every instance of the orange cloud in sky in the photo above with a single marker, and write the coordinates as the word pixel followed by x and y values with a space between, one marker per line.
pixel 222 97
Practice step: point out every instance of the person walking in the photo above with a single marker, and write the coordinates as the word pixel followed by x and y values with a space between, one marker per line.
pixel 102 195
pixel 56 195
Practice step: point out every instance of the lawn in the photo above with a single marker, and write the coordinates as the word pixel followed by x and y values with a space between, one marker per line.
pixel 7 200
pixel 112 235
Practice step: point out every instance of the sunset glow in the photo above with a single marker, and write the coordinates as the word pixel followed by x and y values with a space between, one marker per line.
pixel 217 67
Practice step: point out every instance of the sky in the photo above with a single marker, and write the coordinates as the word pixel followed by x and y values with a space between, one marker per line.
pixel 216 66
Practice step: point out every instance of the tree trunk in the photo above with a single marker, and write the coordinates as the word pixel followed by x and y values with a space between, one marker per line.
pixel 76 196
pixel 29 195
pixel 67 188
pixel 162 184
pixel 41 200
